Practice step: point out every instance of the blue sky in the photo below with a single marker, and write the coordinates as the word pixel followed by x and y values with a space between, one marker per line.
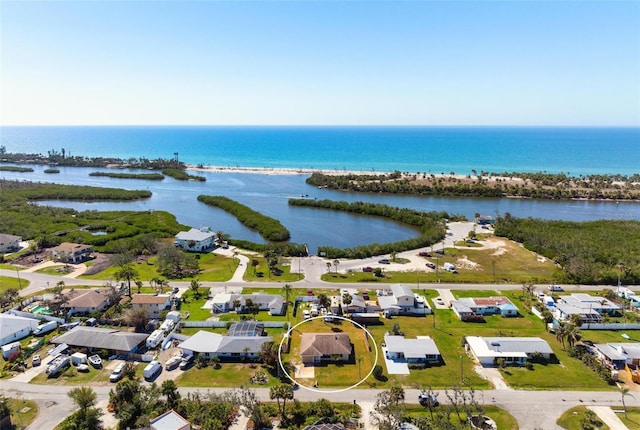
pixel 331 62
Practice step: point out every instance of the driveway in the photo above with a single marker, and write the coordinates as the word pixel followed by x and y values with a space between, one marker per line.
pixel 393 367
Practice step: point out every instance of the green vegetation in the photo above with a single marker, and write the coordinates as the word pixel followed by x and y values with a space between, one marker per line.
pixel 581 417
pixel 594 252
pixel 147 176
pixel 632 418
pixel 7 283
pixel 15 169
pixel 51 170
pixel 262 273
pixel 50 226
pixel 181 175
pixel 529 185
pixel 431 225
pixel 23 412
pixel 268 227
pixel 503 419
pixel 14 190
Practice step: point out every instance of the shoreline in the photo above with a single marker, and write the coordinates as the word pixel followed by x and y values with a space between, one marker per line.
pixel 281 170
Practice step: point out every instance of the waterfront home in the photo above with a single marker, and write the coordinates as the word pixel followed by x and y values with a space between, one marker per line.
pixel 71 253
pixel 197 240
pixel 9 243
pixel 513 350
pixel 421 350
pixel 316 348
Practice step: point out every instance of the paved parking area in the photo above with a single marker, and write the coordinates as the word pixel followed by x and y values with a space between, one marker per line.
pixel 394 368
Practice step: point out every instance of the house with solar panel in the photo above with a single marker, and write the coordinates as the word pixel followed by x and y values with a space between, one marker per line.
pixel 233 348
pixel 473 308
pixel 513 350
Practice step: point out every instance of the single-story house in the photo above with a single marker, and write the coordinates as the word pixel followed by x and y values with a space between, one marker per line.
pixel 584 305
pixel 71 252
pixel 485 220
pixel 9 243
pixel 514 350
pixel 170 420
pixel 229 347
pixel 618 354
pixel 469 307
pixel 225 302
pixel 153 304
pixel 403 301
pixel 323 347
pixel 95 338
pixel 84 302
pixel 13 328
pixel 197 240
pixel 420 350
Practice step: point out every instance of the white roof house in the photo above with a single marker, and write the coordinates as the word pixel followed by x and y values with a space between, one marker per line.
pixel 14 328
pixel 195 239
pixel 170 420
pixel 618 354
pixel 403 301
pixel 585 305
pixel 487 350
pixel 420 350
pixel 214 344
pixel 224 302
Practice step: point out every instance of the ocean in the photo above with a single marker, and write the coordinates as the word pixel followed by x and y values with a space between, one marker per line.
pixel 461 150
pixel 575 151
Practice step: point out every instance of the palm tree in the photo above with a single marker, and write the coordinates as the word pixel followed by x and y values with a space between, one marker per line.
pixel 287 289
pixel 573 334
pixel 329 266
pixel 126 273
pixel 336 263
pixel 624 391
pixel 195 287
pixel 561 332
pixel 254 264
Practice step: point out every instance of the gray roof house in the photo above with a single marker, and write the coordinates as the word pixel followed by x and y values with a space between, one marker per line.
pixel 170 420
pixel 195 239
pixel 102 338
pixel 14 328
pixel 230 347
pixel 420 350
pixel 9 243
pixel 514 350
pixel 618 354
pixel 587 306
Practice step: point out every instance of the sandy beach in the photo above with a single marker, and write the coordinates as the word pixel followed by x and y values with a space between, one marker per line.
pixel 280 170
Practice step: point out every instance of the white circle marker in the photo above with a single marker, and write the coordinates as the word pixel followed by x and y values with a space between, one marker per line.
pixel 282 367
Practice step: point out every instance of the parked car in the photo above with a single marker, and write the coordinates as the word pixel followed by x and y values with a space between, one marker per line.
pixel 424 254
pixel 35 361
pixel 82 368
pixel 187 361
pixel 175 290
pixel 430 265
pixel 367 269
pixel 427 399
pixel 440 251
pixel 306 314
pixel 117 373
pixel 384 261
pixel 555 288
pixel 310 293
pixel 95 361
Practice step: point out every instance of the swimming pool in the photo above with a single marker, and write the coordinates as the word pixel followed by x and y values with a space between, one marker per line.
pixel 40 309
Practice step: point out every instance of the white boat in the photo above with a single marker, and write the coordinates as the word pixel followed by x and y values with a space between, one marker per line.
pixel 95 361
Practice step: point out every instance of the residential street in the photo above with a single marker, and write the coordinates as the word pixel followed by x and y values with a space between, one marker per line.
pixel 532 409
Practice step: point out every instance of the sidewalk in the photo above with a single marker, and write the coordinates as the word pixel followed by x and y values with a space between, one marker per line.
pixel 606 414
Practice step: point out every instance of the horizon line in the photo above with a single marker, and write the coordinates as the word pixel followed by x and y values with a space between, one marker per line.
pixel 335 125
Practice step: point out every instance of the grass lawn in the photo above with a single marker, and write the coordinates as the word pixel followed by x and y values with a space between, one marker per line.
pixel 228 375
pixel 6 266
pixel 335 375
pixel 504 420
pixel 262 273
pixel 513 265
pixel 56 270
pixel 632 421
pixel 71 376
pixel 194 307
pixel 23 412
pixel 214 268
pixel 572 419
pixel 7 282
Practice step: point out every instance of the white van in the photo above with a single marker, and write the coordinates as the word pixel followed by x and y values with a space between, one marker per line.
pixel 152 369
pixel 117 373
